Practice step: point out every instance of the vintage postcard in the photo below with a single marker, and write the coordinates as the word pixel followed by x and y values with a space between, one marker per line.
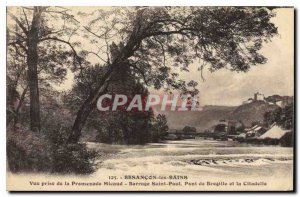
pixel 150 98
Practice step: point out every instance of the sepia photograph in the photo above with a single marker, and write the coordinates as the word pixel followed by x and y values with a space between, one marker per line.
pixel 150 98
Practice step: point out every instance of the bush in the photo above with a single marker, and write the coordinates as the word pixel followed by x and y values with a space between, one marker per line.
pixel 288 139
pixel 73 158
pixel 40 152
pixel 17 157
pixel 28 151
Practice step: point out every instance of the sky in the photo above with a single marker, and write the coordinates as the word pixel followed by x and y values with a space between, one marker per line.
pixel 225 87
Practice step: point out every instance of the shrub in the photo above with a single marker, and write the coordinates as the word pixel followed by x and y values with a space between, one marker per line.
pixel 73 158
pixel 17 157
pixel 28 151
pixel 47 152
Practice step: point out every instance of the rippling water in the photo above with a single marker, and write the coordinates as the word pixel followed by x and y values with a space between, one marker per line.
pixel 198 157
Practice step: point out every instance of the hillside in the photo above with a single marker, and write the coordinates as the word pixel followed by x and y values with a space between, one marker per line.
pixel 252 112
pixel 206 118
pixel 210 115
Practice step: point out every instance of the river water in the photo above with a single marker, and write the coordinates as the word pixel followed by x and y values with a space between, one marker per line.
pixel 187 165
pixel 200 159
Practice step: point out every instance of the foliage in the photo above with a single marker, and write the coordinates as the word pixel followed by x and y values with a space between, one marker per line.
pixel 121 126
pixel 73 158
pixel 47 151
pixel 125 128
pixel 160 128
pixel 288 139
pixel 43 58
pixel 24 152
pixel 37 152
pixel 136 48
pixel 284 117
pixel 165 37
pixel 240 127
pixel 152 41
pixel 188 129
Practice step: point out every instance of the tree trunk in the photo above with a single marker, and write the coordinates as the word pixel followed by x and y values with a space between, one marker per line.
pixel 22 98
pixel 87 107
pixel 118 60
pixel 32 61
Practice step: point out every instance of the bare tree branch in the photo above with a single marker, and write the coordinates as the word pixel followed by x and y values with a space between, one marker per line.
pixel 20 24
pixel 25 18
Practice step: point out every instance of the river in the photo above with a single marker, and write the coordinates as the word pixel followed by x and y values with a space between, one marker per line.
pixel 200 159
pixel 187 165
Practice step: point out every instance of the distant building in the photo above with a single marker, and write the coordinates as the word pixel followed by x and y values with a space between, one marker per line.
pixel 255 131
pixel 259 97
pixel 281 101
pixel 275 132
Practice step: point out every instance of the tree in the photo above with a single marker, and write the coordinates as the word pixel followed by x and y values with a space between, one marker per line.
pixel 152 39
pixel 114 127
pixel 189 130
pixel 16 85
pixel 25 37
pixel 284 117
pixel 160 128
pixel 240 127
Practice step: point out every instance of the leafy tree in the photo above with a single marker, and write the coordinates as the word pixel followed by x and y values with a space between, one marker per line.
pixel 151 40
pixel 32 35
pixel 284 117
pixel 240 127
pixel 120 126
pixel 49 73
pixel 160 128
pixel 273 98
